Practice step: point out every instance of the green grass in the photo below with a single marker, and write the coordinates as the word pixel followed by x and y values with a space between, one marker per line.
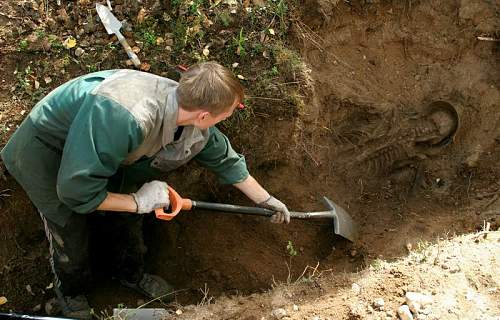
pixel 23 45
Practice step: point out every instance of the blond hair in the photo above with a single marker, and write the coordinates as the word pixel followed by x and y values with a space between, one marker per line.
pixel 209 86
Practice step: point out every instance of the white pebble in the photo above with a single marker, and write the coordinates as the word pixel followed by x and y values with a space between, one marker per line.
pixel 295 307
pixel 355 288
pixel 414 306
pixel 378 303
pixel 279 313
pixel 404 313
pixel 422 299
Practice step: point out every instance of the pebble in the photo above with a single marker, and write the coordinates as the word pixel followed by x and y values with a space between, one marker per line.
pixel 414 306
pixel 420 298
pixel 295 307
pixel 355 288
pixel 79 51
pixel 378 303
pixel 425 311
pixel 316 318
pixel 404 313
pixel 279 313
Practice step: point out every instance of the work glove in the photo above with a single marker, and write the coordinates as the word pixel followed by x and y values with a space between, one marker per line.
pixel 282 214
pixel 151 195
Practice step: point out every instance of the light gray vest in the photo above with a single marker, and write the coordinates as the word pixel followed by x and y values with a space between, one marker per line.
pixel 152 101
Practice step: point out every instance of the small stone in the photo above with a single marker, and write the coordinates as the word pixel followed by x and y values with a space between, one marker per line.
pixel 414 306
pixel 404 313
pixel 178 312
pixel 52 307
pixel 316 318
pixel 79 51
pixel 425 311
pixel 279 313
pixel 420 298
pixel 295 307
pixel 454 268
pixel 378 303
pixel 355 288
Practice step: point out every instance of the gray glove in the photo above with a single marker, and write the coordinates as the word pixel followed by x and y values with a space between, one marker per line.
pixel 151 195
pixel 282 214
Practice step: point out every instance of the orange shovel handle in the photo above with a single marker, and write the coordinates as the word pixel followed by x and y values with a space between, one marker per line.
pixel 177 203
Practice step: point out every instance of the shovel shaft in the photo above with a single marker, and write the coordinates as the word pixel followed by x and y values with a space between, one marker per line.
pixel 128 49
pixel 255 211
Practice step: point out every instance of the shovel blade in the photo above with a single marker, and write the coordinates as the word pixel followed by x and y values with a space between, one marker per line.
pixel 110 22
pixel 343 224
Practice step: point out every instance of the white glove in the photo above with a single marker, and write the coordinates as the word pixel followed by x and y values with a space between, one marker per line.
pixel 282 214
pixel 151 195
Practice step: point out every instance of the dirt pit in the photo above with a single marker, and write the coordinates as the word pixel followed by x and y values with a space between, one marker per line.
pixel 400 127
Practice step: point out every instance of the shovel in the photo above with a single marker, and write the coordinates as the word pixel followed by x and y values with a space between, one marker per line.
pixel 343 225
pixel 113 26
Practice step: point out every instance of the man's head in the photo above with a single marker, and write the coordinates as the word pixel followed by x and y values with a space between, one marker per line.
pixel 211 91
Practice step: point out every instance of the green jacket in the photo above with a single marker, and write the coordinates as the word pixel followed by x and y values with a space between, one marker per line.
pixel 108 131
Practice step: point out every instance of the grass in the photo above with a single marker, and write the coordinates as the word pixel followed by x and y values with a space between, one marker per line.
pixel 23 45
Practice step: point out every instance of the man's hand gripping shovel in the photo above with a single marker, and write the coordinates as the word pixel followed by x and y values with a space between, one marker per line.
pixel 343 225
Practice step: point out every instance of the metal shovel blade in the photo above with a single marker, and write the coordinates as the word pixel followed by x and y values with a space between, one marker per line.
pixel 110 22
pixel 343 225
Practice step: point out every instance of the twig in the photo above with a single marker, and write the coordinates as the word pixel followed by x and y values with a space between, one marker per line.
pixel 488 39
pixel 492 201
pixel 265 98
pixel 161 297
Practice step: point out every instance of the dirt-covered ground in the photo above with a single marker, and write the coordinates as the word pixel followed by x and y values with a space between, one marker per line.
pixel 388 108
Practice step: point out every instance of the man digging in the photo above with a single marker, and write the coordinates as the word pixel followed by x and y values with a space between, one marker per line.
pixel 98 142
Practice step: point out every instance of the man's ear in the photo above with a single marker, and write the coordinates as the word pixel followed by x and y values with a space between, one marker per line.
pixel 203 115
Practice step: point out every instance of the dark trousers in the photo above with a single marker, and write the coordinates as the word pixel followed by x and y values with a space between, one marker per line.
pixel 70 247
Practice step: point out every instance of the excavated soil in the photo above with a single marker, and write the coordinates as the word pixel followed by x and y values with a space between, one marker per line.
pixel 400 127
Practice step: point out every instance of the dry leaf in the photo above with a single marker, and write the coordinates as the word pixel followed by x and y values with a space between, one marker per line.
pixel 145 66
pixel 50 286
pixel 69 43
pixel 37 85
pixel 241 77
pixel 235 65
pixel 159 41
pixel 47 80
pixel 3 300
pixel 206 52
pixel 141 15
pixel 271 31
pixel 136 49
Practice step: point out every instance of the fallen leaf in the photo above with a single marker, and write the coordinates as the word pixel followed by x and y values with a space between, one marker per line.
pixel 37 85
pixel 178 311
pixel 47 80
pixel 50 286
pixel 235 65
pixel 28 288
pixel 145 66
pixel 141 15
pixel 241 77
pixel 69 43
pixel 3 300
pixel 159 41
pixel 206 52
pixel 136 49
pixel 271 31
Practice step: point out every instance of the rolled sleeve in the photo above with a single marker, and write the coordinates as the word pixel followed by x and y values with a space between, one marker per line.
pixel 219 157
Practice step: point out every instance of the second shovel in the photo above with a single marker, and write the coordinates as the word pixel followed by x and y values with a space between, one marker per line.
pixel 113 26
